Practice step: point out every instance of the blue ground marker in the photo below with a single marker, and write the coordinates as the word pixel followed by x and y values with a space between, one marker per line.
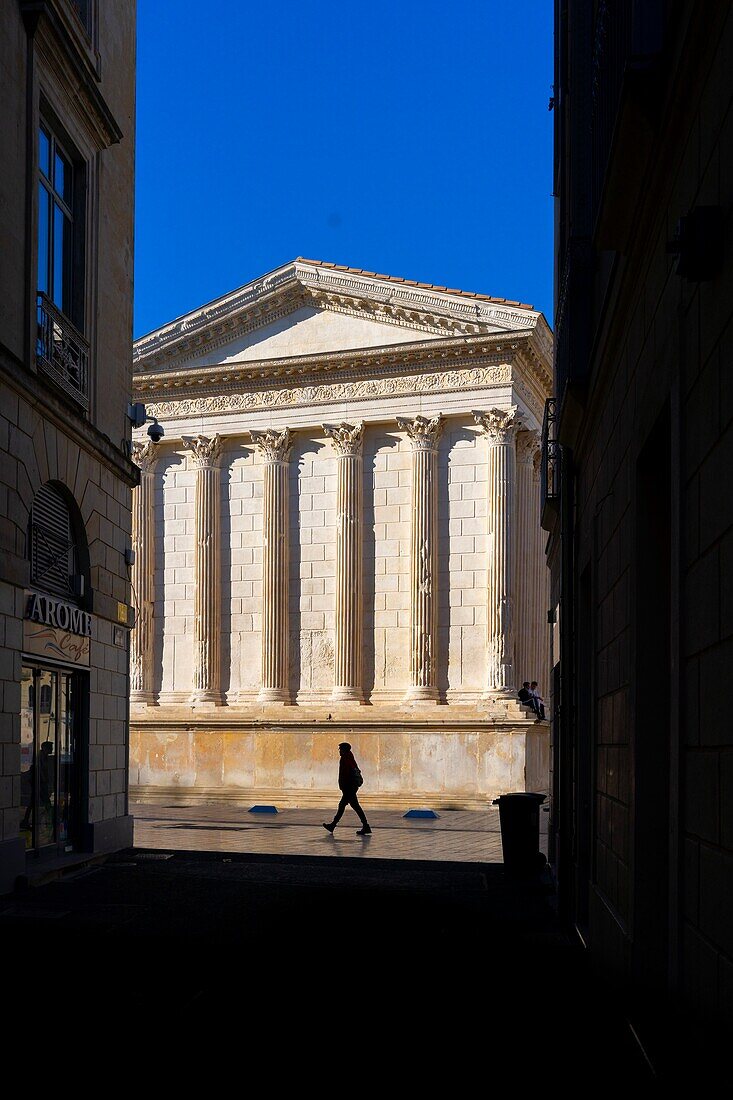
pixel 263 810
pixel 421 813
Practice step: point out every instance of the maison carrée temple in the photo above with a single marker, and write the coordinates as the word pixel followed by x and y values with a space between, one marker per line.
pixel 338 538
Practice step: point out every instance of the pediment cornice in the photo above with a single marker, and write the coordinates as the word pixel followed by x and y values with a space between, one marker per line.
pixel 428 365
pixel 302 284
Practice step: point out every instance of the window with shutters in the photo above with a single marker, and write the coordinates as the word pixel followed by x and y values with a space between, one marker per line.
pixel 57 565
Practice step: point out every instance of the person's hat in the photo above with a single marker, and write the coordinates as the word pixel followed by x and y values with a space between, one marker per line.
pixel 344 745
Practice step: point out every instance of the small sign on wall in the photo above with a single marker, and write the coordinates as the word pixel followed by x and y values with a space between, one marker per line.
pixel 60 645
pixel 55 629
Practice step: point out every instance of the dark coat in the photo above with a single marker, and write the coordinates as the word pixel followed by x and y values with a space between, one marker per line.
pixel 347 768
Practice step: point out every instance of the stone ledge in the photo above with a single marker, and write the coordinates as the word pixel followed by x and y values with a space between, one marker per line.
pixel 323 720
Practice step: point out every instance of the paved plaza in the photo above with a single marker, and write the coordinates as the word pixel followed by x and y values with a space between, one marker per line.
pixel 460 836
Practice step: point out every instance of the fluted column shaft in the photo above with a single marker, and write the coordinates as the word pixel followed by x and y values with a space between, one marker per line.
pixel 143 576
pixel 207 586
pixel 424 437
pixel 501 429
pixel 275 447
pixel 526 611
pixel 541 593
pixel 347 440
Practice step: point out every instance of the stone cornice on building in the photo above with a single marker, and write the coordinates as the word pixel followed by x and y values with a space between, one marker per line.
pixel 303 283
pixel 74 64
pixel 427 366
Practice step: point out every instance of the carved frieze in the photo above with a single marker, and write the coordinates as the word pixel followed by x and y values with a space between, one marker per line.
pixel 359 390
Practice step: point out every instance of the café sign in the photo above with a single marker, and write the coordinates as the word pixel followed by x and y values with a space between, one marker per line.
pixel 56 629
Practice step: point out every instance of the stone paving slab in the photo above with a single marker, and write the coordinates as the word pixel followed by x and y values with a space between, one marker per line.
pixel 461 836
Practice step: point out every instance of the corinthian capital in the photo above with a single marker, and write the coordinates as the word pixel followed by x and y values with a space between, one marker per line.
pixel 205 451
pixel 499 425
pixel 424 434
pixel 143 454
pixel 274 445
pixel 528 445
pixel 347 438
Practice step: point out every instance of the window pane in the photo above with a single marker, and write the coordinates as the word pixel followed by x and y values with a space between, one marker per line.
pixel 61 259
pixel 44 240
pixel 47 758
pixel 82 8
pixel 66 759
pixel 44 153
pixel 27 762
pixel 62 176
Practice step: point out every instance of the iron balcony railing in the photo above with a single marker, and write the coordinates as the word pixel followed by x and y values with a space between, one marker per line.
pixel 551 454
pixel 62 353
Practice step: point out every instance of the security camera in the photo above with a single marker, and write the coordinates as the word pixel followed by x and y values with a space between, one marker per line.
pixel 155 431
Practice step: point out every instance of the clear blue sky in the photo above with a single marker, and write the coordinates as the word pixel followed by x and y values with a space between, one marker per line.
pixel 410 137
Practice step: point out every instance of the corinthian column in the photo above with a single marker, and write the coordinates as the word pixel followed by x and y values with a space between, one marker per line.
pixel 424 436
pixel 143 574
pixel 526 612
pixel 500 428
pixel 275 448
pixel 347 441
pixel 207 592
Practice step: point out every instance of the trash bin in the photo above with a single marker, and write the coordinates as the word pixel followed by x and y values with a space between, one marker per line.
pixel 519 817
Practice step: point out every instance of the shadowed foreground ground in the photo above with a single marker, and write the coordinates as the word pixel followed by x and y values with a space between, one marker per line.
pixel 317 971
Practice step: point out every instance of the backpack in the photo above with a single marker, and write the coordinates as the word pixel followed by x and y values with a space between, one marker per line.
pixel 358 777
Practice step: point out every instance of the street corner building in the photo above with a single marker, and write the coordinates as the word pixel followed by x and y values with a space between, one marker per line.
pixel 339 539
pixel 66 232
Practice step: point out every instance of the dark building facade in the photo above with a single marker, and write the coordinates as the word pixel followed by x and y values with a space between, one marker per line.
pixel 637 461
pixel 66 235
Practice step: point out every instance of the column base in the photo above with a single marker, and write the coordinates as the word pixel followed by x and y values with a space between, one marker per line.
pixel 207 699
pixel 143 698
pixel 347 695
pixel 275 695
pixel 500 693
pixel 420 695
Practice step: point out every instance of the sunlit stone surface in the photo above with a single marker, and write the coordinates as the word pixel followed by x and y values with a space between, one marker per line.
pixel 365 540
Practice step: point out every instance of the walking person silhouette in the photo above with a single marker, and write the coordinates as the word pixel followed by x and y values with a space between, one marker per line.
pixel 349 782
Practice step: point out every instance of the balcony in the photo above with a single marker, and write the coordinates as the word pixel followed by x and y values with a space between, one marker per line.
pixel 550 462
pixel 62 353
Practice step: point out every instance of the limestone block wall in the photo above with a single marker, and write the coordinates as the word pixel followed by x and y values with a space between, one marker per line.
pixel 462 767
pixel 174 575
pixel 312 567
pixel 33 452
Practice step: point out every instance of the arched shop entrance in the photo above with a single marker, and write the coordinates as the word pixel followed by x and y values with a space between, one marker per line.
pixel 55 676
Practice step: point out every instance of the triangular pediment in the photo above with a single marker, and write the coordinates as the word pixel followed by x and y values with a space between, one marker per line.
pixel 305 331
pixel 311 308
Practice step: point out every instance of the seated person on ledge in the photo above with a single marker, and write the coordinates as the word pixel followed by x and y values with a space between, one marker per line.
pixel 526 697
pixel 538 703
